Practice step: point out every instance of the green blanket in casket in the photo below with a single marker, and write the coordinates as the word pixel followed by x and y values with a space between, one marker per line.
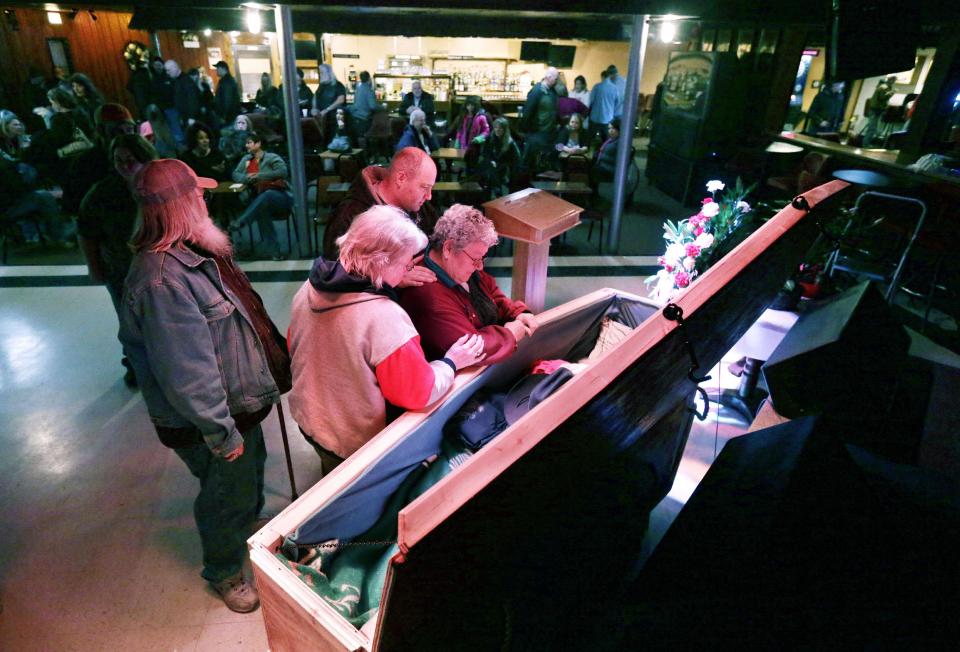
pixel 350 576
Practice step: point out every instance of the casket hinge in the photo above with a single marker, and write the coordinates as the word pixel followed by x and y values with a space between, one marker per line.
pixel 673 312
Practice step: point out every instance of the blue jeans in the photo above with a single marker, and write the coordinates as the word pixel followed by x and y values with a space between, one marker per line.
pixel 44 205
pixel 268 206
pixel 173 121
pixel 231 496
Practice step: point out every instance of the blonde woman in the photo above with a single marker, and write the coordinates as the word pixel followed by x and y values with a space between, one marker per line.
pixel 354 349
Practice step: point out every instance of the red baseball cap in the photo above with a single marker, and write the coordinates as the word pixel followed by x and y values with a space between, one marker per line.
pixel 167 179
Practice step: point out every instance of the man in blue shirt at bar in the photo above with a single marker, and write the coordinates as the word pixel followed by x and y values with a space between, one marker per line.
pixel 605 105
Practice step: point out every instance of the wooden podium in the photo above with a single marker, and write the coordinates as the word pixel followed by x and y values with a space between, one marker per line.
pixel 531 217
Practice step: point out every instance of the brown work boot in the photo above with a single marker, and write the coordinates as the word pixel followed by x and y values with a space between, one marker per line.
pixel 238 594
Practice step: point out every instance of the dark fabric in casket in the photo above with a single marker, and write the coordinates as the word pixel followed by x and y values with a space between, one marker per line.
pixel 359 506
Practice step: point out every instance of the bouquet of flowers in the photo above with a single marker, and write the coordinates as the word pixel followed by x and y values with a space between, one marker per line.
pixel 691 242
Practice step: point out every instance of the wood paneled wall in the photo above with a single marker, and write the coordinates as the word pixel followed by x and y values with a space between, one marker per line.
pixel 96 48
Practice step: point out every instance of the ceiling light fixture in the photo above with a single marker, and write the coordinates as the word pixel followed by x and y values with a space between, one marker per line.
pixel 253 21
pixel 668 31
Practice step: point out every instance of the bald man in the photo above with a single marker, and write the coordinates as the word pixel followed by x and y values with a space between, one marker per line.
pixel 539 121
pixel 407 184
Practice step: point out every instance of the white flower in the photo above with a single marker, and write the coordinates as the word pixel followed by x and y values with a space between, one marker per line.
pixel 675 253
pixel 689 263
pixel 710 209
pixel 743 206
pixel 665 289
pixel 715 185
pixel 704 240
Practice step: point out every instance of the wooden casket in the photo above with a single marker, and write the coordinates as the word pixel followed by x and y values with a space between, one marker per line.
pixel 525 545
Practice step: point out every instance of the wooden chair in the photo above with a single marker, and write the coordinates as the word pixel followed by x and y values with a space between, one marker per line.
pixel 330 190
pixel 379 136
pixel 312 133
pixel 259 124
pixel 811 174
pixel 349 167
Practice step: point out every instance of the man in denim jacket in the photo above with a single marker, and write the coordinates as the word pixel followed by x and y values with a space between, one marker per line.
pixel 206 355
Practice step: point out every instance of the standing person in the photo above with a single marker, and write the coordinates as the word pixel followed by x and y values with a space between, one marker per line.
pixel 613 74
pixel 267 96
pixel 156 129
pixel 418 98
pixel 604 105
pixel 227 101
pixel 304 94
pixel 106 219
pixel 172 113
pixel 875 108
pixel 265 175
pixel 208 108
pixel 417 134
pixel 189 98
pixel 210 363
pixel 407 184
pixel 161 86
pixel 580 92
pixel 539 121
pixel 471 123
pixel 826 110
pixel 330 94
pixel 139 86
pixel 61 80
pixel 364 104
pixel 52 151
pixel 354 349
pixel 88 97
pixel 91 165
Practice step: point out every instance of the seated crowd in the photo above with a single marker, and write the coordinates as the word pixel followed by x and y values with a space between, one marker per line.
pixel 53 156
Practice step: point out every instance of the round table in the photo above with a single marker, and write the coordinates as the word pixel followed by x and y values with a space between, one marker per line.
pixel 864 178
pixel 783 148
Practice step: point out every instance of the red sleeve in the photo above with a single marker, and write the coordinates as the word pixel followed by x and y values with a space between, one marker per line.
pixel 405 376
pixel 507 309
pixel 441 320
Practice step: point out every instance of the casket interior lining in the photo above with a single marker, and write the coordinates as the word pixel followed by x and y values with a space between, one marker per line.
pixel 356 508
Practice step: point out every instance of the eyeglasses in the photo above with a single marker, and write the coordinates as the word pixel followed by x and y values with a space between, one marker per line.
pixel 477 262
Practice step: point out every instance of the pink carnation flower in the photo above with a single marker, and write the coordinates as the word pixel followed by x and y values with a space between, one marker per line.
pixel 693 250
pixel 698 230
pixel 682 279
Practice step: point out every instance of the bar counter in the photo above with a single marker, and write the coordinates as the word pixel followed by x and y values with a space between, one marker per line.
pixel 883 159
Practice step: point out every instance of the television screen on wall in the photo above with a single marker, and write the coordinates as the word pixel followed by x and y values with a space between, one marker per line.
pixel 871 38
pixel 535 51
pixel 561 56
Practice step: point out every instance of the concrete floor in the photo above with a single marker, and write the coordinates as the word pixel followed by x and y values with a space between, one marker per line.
pixel 100 551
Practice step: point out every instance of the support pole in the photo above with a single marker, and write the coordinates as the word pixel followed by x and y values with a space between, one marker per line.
pixel 155 41
pixel 628 120
pixel 291 115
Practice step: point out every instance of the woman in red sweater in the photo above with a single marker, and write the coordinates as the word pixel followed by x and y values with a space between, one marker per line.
pixel 353 349
pixel 465 299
